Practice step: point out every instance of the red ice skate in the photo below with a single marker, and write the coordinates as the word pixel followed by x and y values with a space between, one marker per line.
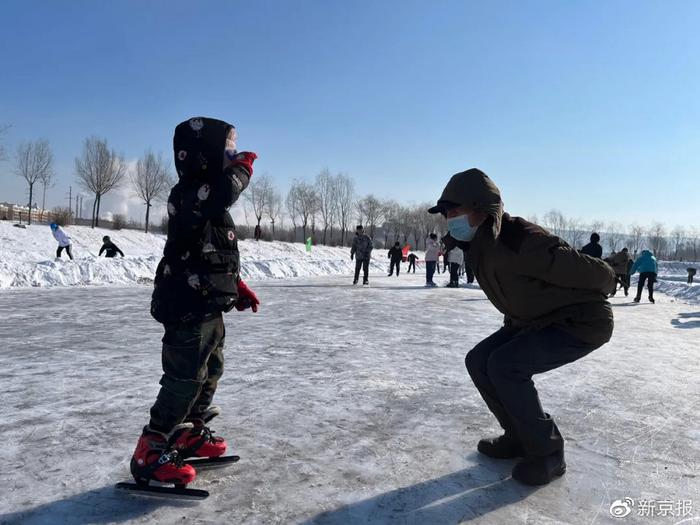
pixel 155 458
pixel 199 441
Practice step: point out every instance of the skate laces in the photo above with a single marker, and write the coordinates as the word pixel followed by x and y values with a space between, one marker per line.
pixel 208 435
pixel 171 456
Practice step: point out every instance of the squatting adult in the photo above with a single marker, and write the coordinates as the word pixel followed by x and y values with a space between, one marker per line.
pixel 554 300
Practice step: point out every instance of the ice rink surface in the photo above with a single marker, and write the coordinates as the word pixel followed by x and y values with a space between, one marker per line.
pixel 347 405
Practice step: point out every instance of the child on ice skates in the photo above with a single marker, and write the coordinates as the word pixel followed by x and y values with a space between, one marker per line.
pixel 196 281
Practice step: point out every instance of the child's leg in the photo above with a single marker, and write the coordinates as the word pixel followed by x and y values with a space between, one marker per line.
pixel 186 352
pixel 58 252
pixel 215 368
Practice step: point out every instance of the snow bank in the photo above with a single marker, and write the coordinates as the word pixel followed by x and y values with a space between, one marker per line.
pixel 673 281
pixel 27 258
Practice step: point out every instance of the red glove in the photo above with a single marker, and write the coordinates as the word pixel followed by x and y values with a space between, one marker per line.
pixel 246 296
pixel 245 159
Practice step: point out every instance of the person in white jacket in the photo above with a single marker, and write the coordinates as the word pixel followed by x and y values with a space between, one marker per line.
pixel 432 248
pixel 63 240
pixel 456 259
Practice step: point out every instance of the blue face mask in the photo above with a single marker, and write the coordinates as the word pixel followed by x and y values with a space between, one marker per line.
pixel 460 229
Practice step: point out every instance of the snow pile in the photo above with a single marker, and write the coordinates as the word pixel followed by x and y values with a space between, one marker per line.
pixel 27 258
pixel 673 281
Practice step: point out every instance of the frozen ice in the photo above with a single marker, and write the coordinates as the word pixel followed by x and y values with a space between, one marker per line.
pixel 346 404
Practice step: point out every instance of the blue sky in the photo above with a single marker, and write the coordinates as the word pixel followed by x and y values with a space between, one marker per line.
pixel 592 108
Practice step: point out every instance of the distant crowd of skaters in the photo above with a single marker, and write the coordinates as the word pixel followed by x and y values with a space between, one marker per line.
pixel 453 260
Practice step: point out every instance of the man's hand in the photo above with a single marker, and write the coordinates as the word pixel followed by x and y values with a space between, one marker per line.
pixel 246 298
pixel 352 256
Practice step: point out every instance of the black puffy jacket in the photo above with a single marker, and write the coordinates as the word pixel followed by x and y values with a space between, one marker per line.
pixel 199 271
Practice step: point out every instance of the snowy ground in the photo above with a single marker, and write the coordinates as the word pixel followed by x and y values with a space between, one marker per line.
pixel 347 405
pixel 27 258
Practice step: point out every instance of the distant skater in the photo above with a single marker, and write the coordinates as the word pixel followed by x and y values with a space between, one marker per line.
pixel 110 249
pixel 620 263
pixel 395 255
pixel 63 241
pixel 361 251
pixel 456 258
pixel 593 248
pixel 412 258
pixel 432 248
pixel 648 269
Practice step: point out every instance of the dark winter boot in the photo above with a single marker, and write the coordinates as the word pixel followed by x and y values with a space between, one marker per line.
pixel 502 447
pixel 156 459
pixel 540 470
pixel 199 440
pixel 637 299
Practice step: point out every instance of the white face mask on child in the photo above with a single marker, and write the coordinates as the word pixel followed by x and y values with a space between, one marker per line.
pixel 230 150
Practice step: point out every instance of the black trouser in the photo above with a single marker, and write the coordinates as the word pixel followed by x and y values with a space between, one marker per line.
pixel 643 277
pixel 193 361
pixel 454 273
pixel 394 264
pixel 430 270
pixel 469 272
pixel 622 279
pixel 690 277
pixel 502 366
pixel 364 264
pixel 411 264
pixel 60 249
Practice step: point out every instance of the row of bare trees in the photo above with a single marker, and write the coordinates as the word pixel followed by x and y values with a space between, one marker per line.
pixel 327 205
pixel 327 209
pixel 679 243
pixel 98 170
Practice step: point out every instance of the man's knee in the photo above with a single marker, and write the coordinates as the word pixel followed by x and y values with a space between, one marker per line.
pixel 500 369
pixel 475 360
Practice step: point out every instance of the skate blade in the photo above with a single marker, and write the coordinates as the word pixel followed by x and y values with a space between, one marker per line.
pixel 207 463
pixel 158 491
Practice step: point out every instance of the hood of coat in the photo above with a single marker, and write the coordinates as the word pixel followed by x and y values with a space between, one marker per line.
pixel 646 254
pixel 199 146
pixel 475 190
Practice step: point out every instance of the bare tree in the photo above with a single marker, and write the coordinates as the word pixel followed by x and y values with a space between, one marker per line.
pixel 614 235
pixel 46 182
pixel 99 171
pixel 693 237
pixel 345 196
pixel 151 181
pixel 678 236
pixel 575 233
pixel 325 189
pixel 259 194
pixel 292 202
pixel 305 204
pixel 555 222
pixel 371 210
pixel 657 238
pixel 274 209
pixel 635 237
pixel 34 163
pixel 391 211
